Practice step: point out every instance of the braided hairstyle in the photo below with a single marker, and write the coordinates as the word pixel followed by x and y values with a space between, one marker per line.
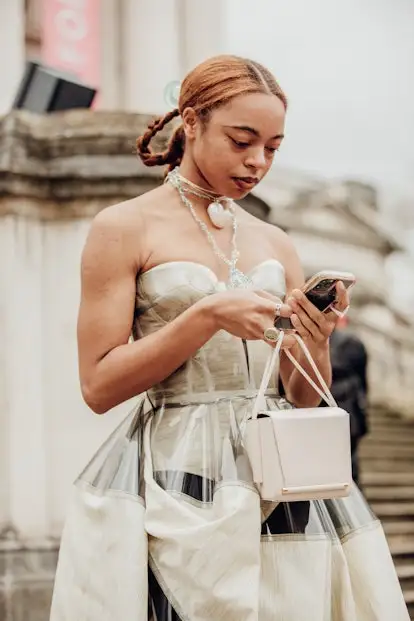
pixel 210 85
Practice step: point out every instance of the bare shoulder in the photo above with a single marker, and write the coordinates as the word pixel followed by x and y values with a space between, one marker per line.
pixel 120 230
pixel 119 218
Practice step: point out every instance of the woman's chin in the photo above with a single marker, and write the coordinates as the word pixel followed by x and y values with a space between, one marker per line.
pixel 237 193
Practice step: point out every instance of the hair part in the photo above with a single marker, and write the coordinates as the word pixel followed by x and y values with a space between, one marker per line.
pixel 212 84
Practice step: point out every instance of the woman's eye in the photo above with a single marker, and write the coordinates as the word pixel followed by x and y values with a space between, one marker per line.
pixel 240 144
pixel 272 149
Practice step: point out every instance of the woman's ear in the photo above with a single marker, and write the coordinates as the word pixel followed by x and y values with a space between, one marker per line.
pixel 190 123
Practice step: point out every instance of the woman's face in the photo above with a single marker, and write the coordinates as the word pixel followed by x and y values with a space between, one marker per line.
pixel 236 147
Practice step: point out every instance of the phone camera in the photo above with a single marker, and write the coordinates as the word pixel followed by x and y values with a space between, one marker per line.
pixel 324 284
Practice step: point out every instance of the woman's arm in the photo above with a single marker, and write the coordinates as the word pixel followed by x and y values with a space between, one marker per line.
pixel 112 369
pixel 314 327
pixel 297 388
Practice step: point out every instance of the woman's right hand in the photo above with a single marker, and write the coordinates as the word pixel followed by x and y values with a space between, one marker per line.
pixel 244 313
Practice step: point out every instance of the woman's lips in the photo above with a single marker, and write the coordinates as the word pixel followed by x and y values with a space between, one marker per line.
pixel 245 183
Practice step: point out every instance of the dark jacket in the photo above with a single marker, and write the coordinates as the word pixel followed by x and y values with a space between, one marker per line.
pixel 349 378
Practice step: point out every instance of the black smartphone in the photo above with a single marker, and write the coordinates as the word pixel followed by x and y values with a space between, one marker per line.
pixel 321 291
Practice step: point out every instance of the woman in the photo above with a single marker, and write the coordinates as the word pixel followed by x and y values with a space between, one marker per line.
pixel 199 282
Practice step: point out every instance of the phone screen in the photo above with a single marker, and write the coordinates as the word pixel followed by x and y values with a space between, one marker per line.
pixel 323 294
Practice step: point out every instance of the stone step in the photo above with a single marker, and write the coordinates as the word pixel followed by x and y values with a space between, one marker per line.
pixel 391 509
pixel 409 598
pixel 405 575
pixel 400 453
pixel 375 411
pixel 391 421
pixel 406 444
pixel 379 465
pixel 394 492
pixel 386 421
pixel 402 561
pixel 405 572
pixel 390 445
pixel 389 439
pixel 380 441
pixel 370 478
pixel 387 476
pixel 396 429
pixel 402 527
pixel 401 546
pixel 380 447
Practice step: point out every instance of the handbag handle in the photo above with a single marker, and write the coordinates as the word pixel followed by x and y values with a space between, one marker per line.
pixel 325 393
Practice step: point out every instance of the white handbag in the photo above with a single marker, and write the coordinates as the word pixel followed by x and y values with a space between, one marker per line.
pixel 299 453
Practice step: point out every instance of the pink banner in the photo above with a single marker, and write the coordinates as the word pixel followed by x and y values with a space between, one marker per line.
pixel 71 38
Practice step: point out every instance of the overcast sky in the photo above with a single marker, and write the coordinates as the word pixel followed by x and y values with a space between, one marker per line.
pixel 348 69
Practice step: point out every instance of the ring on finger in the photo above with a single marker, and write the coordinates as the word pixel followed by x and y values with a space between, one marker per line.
pixel 278 309
pixel 271 334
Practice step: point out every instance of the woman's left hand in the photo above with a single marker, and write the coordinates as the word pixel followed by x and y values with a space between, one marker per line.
pixel 310 323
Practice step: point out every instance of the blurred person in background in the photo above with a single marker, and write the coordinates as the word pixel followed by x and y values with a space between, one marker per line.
pixel 199 282
pixel 349 361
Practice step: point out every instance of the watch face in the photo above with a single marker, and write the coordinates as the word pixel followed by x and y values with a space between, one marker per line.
pixel 271 334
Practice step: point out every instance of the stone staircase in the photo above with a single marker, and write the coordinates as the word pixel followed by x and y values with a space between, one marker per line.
pixel 387 476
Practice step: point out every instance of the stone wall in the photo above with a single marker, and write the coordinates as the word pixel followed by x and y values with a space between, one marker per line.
pixel 26 579
pixel 56 173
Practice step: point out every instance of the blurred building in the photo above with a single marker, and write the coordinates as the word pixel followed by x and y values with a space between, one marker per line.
pixel 129 49
pixel 350 105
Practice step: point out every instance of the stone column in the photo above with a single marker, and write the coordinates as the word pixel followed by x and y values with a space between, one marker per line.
pixel 150 53
pixel 56 173
pixel 111 88
pixel 161 41
pixel 12 51
pixel 203 28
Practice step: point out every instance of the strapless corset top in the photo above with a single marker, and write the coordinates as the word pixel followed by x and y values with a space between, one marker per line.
pixel 225 363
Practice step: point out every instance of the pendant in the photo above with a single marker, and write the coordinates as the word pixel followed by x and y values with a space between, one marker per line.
pixel 238 280
pixel 219 215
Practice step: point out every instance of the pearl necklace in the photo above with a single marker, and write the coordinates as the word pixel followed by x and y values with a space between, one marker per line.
pixel 220 215
pixel 237 280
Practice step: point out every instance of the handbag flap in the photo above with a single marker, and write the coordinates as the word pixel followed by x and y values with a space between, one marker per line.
pixel 313 445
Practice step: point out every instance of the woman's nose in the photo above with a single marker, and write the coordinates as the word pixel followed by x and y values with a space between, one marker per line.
pixel 256 159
